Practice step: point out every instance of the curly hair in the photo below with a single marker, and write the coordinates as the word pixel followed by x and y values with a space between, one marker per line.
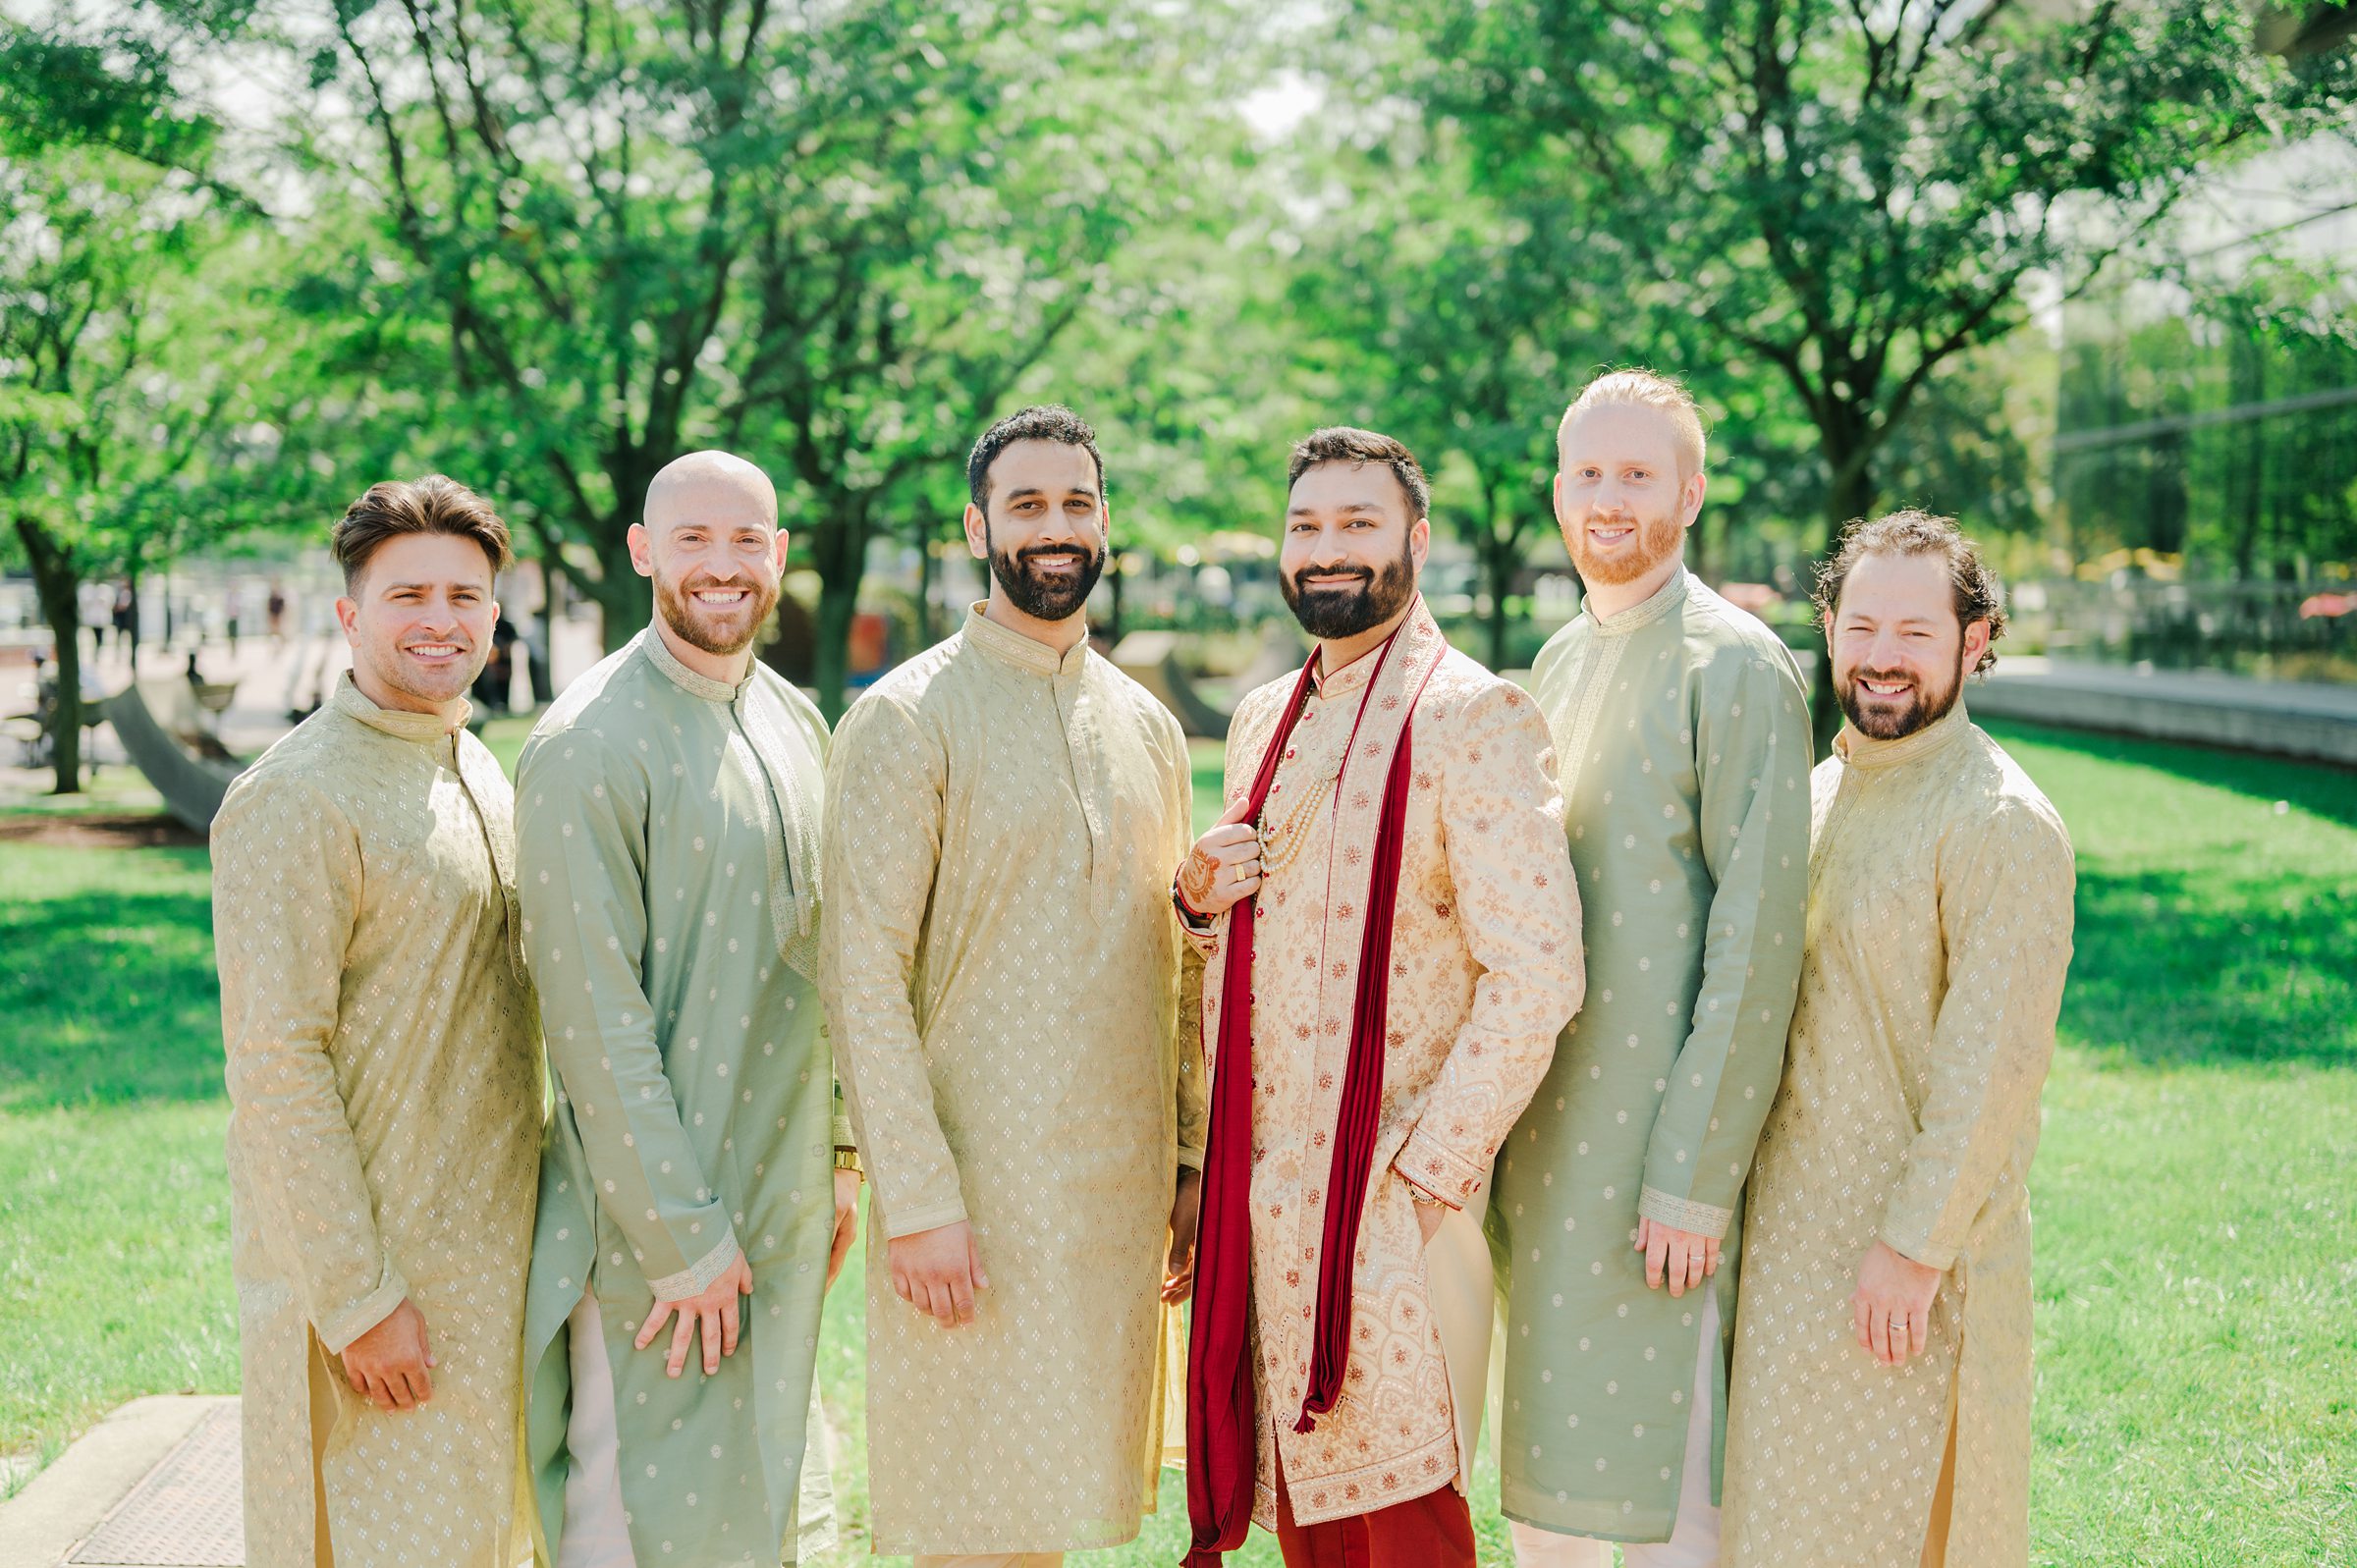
pixel 1045 421
pixel 1348 443
pixel 1912 532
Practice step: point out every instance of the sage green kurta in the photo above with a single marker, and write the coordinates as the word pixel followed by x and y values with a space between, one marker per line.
pixel 1002 968
pixel 384 1088
pixel 668 834
pixel 1940 925
pixel 1682 737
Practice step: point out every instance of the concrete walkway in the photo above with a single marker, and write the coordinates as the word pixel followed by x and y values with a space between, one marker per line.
pixel 2278 718
pixel 155 1485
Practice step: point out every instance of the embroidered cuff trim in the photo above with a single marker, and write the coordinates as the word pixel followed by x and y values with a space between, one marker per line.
pixel 1704 1220
pixel 1440 1171
pixel 697 1277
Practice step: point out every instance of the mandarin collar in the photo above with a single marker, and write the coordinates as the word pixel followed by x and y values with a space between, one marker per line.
pixel 658 653
pixel 399 723
pixel 1667 597
pixel 1359 672
pixel 1010 646
pixel 1351 677
pixel 1859 751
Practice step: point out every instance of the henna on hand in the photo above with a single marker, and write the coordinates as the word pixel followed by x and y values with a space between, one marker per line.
pixel 1195 877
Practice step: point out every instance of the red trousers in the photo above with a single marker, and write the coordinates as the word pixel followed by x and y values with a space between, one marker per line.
pixel 1434 1531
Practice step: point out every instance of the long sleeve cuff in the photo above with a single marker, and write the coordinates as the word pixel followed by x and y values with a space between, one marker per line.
pixel 363 1314
pixel 1446 1173
pixel 1707 1220
pixel 697 1277
pixel 1919 1249
pixel 1189 1158
pixel 843 1137
pixel 925 1217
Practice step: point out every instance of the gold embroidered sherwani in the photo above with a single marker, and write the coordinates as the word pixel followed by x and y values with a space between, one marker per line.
pixel 384 1126
pixel 1485 972
pixel 1940 922
pixel 1001 966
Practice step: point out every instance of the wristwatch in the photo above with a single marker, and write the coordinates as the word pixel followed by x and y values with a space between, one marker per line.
pixel 849 1159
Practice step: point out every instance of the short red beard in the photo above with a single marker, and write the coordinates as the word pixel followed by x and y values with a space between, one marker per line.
pixel 1657 539
pixel 686 619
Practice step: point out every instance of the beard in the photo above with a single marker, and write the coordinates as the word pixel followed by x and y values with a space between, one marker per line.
pixel 1037 594
pixel 1657 539
pixel 1918 709
pixel 1330 613
pixel 715 632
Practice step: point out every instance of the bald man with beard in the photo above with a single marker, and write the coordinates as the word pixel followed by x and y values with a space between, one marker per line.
pixel 697 1190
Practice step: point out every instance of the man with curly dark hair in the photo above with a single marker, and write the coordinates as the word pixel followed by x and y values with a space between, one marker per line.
pixel 1879 1408
pixel 1886 704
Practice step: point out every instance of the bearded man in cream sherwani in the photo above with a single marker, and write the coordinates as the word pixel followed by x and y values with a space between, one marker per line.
pixel 1393 933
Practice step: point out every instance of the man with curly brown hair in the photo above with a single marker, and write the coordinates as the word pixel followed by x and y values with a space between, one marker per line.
pixel 1878 1411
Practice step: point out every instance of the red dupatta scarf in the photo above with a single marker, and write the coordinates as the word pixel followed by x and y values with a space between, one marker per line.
pixel 1220 1434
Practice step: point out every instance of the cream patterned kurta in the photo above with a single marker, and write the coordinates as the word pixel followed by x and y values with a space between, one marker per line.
pixel 1485 970
pixel 1001 964
pixel 1940 925
pixel 1684 740
pixel 384 1090
pixel 668 833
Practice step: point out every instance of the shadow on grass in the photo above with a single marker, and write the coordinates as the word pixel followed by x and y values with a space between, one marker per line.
pixel 108 992
pixel 2173 974
pixel 2328 791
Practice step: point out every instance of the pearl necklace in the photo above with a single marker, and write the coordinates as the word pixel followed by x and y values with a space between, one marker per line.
pixel 1283 840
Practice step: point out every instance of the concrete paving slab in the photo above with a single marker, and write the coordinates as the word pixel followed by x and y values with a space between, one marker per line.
pixel 120 1468
pixel 189 1513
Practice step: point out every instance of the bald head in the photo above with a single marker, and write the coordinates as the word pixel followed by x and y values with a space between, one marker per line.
pixel 716 489
pixel 711 544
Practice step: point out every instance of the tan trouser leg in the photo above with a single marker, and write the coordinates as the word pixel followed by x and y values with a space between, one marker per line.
pixel 1944 1502
pixel 991 1559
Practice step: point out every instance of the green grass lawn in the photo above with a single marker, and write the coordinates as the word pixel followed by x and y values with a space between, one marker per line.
pixel 2197 1228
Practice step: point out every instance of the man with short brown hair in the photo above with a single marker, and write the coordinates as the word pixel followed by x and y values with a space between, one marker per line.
pixel 1879 1413
pixel 383 1075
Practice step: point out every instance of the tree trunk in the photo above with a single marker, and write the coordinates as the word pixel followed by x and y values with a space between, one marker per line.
pixel 839 549
pixel 1849 497
pixel 57 584
pixel 928 614
pixel 1499 563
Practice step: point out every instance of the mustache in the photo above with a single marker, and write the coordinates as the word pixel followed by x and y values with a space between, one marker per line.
pixel 1361 574
pixel 1891 677
pixel 1077 552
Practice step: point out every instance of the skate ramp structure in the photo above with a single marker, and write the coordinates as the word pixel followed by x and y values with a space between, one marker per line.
pixel 1151 659
pixel 192 785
